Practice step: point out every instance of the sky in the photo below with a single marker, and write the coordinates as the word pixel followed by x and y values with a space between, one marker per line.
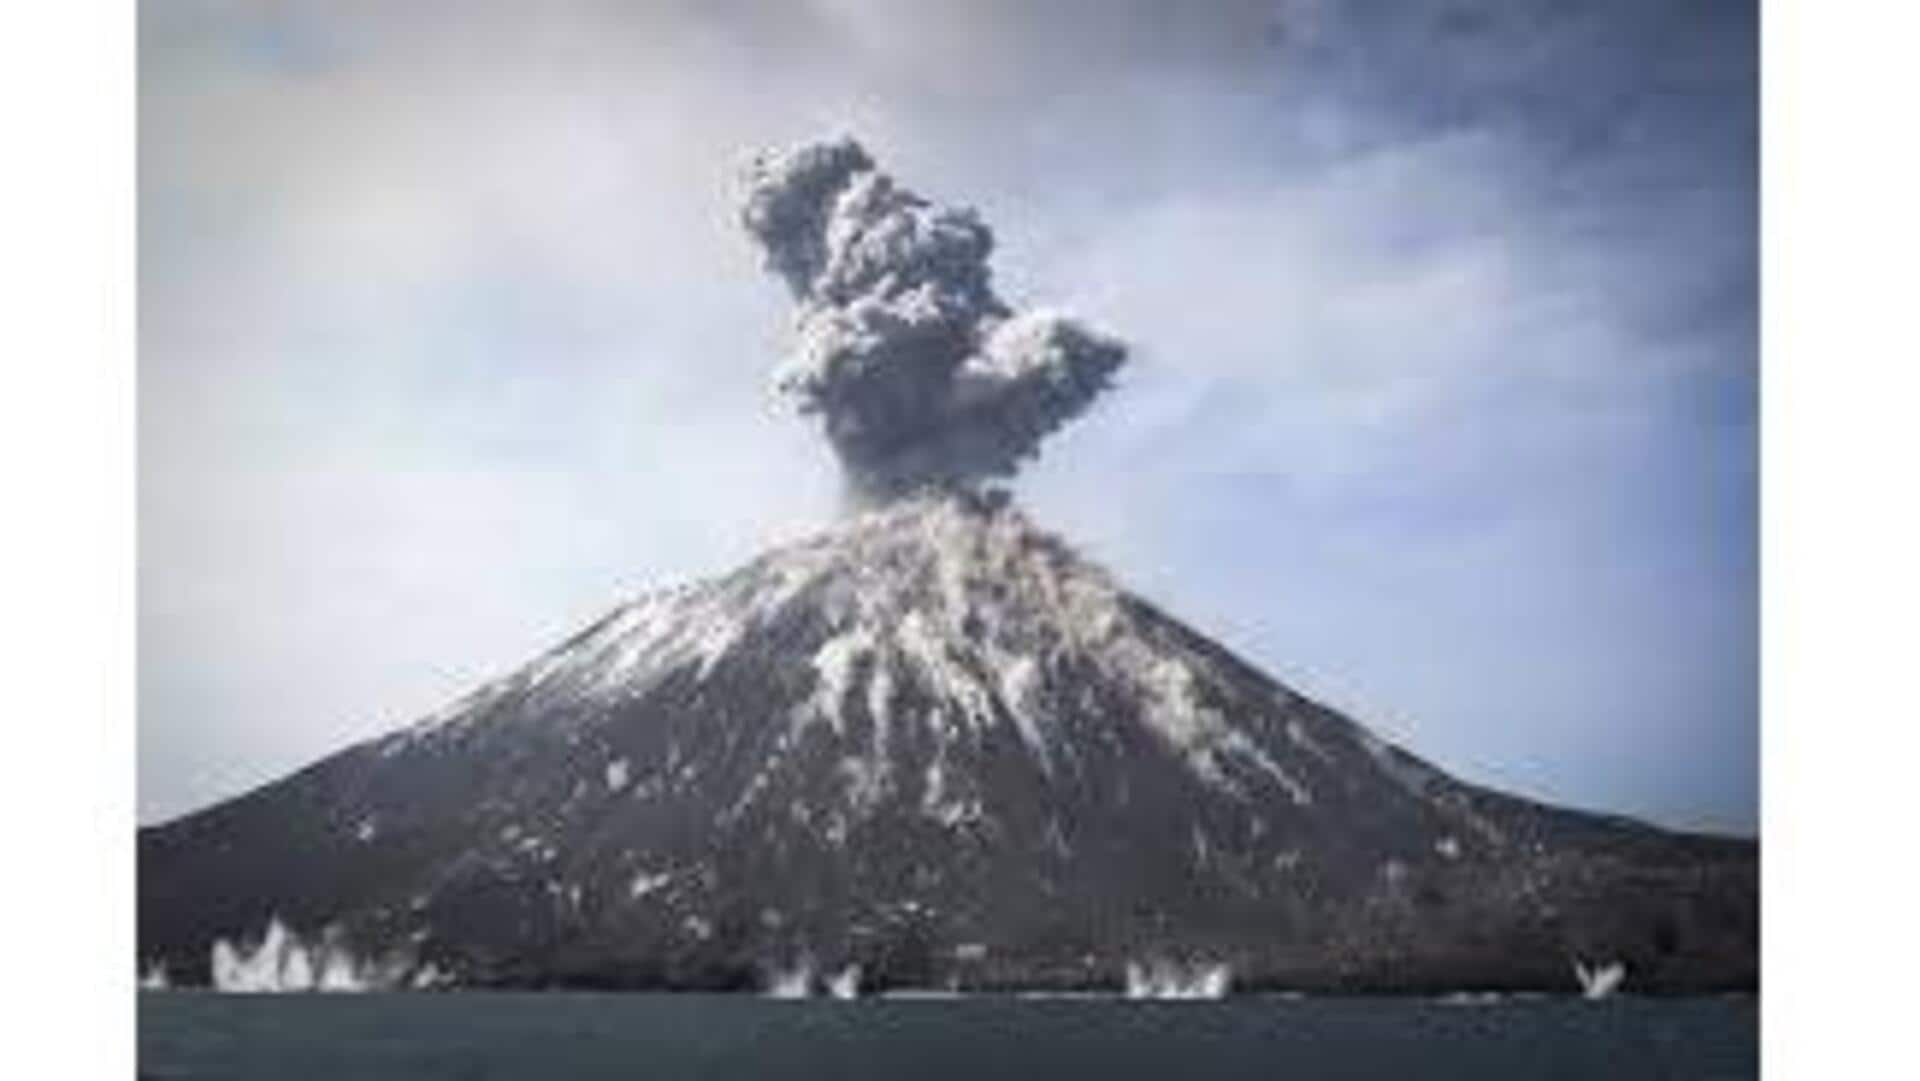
pixel 1442 407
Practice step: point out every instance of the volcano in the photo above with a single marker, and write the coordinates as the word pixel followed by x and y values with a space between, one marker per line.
pixel 931 747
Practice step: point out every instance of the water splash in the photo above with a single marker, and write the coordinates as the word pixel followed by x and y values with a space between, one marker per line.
pixel 792 982
pixel 845 984
pixel 1166 979
pixel 1601 980
pixel 281 961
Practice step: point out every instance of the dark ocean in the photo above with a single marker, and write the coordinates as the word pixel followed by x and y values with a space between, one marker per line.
pixel 550 1036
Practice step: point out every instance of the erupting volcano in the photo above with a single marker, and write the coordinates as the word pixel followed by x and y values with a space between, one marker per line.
pixel 930 747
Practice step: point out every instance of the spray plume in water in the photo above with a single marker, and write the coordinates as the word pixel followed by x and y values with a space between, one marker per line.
pixel 920 375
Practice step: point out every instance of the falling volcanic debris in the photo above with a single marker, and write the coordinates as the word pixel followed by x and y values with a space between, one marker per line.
pixel 921 376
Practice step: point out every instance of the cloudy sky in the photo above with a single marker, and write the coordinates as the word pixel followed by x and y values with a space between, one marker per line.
pixel 1443 406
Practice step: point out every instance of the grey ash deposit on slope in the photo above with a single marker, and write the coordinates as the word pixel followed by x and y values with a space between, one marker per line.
pixel 931 743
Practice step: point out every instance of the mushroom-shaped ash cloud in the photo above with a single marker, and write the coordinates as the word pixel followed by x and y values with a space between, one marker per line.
pixel 920 375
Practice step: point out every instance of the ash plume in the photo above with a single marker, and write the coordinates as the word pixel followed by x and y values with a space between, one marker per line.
pixel 919 374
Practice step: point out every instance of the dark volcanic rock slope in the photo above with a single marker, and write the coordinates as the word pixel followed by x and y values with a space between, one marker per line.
pixel 935 744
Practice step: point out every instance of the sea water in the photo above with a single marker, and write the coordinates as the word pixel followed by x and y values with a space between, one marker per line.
pixel 475 1036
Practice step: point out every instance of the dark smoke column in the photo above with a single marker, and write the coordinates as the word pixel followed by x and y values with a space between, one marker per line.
pixel 921 376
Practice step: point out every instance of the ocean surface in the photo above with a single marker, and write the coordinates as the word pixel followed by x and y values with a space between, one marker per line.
pixel 478 1036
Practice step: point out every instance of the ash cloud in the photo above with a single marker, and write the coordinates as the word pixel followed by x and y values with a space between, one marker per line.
pixel 920 375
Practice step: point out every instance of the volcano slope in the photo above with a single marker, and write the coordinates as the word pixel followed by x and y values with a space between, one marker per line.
pixel 936 744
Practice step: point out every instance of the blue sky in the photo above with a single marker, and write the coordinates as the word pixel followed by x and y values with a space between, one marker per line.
pixel 1443 408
